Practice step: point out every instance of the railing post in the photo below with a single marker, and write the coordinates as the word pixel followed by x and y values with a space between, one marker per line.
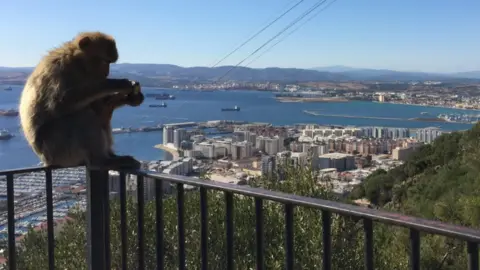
pixel 97 218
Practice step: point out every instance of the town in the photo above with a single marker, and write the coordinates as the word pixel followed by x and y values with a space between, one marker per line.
pixel 340 157
pixel 458 95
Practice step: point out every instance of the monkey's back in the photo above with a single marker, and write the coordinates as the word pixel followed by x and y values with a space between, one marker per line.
pixel 57 138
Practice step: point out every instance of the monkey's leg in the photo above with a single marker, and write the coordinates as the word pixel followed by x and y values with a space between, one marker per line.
pixel 123 162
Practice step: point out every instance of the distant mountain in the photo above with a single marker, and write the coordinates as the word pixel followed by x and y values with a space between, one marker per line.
pixel 392 75
pixel 468 74
pixel 335 69
pixel 205 74
pixel 167 75
pixel 163 74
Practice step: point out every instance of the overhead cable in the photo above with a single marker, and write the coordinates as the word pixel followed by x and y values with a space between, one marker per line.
pixel 310 10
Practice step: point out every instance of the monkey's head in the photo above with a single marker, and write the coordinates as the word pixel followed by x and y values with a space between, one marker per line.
pixel 98 51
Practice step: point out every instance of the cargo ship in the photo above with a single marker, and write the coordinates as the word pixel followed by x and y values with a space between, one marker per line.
pixel 289 95
pixel 8 88
pixel 234 109
pixel 164 97
pixel 5 135
pixel 163 105
pixel 10 112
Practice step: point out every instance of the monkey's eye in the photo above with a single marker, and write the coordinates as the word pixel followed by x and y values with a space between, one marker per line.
pixel 101 61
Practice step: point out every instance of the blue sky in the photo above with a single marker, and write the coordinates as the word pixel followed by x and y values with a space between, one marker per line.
pixel 415 35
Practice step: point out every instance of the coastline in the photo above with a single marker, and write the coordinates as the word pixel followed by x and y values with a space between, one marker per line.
pixel 172 153
pixel 432 106
pixel 310 99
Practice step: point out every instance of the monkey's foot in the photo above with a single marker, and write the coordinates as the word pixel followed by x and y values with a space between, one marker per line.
pixel 124 163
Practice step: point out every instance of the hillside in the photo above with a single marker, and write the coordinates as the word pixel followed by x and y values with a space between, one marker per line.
pixel 441 181
pixel 393 75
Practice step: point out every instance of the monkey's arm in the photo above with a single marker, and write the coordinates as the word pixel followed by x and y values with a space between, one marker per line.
pixel 79 97
pixel 107 105
pixel 119 100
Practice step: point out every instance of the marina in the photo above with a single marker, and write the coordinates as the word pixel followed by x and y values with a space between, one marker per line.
pixel 30 208
pixel 460 118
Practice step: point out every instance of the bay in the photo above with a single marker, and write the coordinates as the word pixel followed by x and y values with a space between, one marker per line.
pixel 203 106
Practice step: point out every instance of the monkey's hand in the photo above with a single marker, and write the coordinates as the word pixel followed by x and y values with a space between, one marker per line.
pixel 134 99
pixel 136 87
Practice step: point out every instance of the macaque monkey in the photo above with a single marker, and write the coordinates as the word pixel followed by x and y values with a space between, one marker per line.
pixel 60 106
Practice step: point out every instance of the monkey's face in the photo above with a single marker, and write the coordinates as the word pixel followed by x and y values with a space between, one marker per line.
pixel 99 52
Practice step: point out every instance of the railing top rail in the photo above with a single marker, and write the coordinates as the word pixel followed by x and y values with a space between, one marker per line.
pixel 22 170
pixel 425 225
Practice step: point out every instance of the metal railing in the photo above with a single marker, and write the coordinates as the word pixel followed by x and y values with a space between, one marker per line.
pixel 98 221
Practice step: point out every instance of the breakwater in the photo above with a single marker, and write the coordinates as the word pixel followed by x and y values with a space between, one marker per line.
pixel 434 120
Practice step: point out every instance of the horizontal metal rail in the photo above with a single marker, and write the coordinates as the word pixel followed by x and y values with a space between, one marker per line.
pixel 421 224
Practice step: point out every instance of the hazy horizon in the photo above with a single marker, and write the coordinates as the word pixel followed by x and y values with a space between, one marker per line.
pixel 308 68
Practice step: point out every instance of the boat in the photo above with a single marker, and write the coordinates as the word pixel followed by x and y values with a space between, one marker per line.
pixel 121 130
pixel 289 95
pixel 8 88
pixel 5 135
pixel 10 112
pixel 234 109
pixel 164 97
pixel 424 113
pixel 163 105
pixel 147 129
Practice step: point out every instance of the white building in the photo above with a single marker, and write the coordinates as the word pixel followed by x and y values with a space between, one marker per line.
pixel 167 134
pixel 428 135
pixel 179 135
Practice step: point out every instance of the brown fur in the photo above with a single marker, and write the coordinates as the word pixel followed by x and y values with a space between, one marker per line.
pixel 57 105
pixel 104 109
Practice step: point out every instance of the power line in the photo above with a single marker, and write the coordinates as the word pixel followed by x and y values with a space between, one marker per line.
pixel 318 4
pixel 258 33
pixel 290 33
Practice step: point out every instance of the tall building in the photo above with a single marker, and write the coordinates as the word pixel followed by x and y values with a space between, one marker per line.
pixel 268 165
pixel 274 145
pixel 179 135
pixel 241 150
pixel 239 136
pixel 299 159
pixel 341 162
pixel 167 134
pixel 260 143
pixel 428 135
pixel 283 159
pixel 385 133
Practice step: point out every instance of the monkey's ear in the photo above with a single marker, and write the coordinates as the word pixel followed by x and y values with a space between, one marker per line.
pixel 83 42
